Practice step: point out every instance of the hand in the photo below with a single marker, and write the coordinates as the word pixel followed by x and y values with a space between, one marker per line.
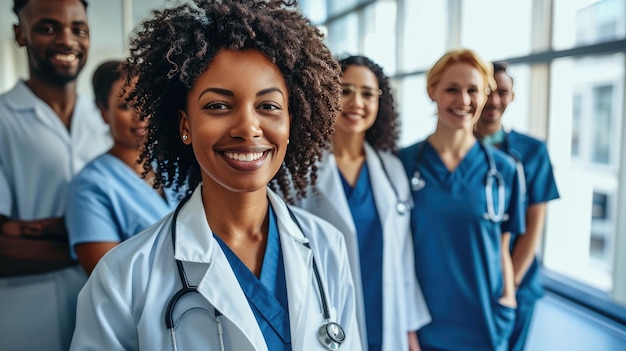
pixel 413 342
pixel 21 256
pixel 47 228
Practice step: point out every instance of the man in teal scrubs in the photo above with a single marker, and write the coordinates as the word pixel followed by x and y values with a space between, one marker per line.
pixel 535 170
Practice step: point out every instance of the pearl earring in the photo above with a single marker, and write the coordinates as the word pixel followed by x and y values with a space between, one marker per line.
pixel 185 137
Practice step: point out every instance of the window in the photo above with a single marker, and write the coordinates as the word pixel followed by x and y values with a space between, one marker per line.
pixel 379 34
pixel 600 227
pixel 578 23
pixel 417 112
pixel 587 104
pixel 314 10
pixel 423 35
pixel 573 99
pixel 576 125
pixel 335 7
pixel 343 36
pixel 603 123
pixel 494 36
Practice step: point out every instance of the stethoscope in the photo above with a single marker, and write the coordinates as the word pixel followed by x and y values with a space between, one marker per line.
pixel 418 183
pixel 331 335
pixel 402 206
pixel 519 167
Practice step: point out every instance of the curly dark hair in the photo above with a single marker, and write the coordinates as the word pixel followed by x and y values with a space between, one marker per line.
pixel 169 50
pixel 384 133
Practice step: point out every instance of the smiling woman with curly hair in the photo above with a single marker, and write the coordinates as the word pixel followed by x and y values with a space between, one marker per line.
pixel 173 48
pixel 238 93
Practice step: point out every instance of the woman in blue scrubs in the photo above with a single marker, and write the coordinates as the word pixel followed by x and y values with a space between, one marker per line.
pixel 111 199
pixel 362 190
pixel 237 93
pixel 467 202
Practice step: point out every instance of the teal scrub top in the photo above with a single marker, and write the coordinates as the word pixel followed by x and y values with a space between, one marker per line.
pixel 108 202
pixel 540 187
pixel 370 236
pixel 457 250
pixel 266 295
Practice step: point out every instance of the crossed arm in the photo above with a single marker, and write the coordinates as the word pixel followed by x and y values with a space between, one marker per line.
pixel 32 247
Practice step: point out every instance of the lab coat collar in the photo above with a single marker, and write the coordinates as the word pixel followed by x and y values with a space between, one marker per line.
pixel 384 194
pixel 298 262
pixel 329 185
pixel 219 284
pixel 194 236
pixel 286 224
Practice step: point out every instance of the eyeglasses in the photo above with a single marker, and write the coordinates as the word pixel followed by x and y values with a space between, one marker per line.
pixel 348 91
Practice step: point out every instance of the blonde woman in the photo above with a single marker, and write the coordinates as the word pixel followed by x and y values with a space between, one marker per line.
pixel 467 202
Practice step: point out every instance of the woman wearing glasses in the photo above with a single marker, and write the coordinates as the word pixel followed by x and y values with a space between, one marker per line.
pixel 364 192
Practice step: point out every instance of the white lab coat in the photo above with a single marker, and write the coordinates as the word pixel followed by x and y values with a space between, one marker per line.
pixel 122 306
pixel 404 308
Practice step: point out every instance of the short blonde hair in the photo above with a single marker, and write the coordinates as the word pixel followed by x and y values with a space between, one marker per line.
pixel 461 56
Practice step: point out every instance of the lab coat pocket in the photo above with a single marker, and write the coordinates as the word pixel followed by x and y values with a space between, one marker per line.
pixel 504 318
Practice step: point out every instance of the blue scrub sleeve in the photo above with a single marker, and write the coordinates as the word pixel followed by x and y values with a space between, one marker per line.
pixel 89 216
pixel 516 207
pixel 541 185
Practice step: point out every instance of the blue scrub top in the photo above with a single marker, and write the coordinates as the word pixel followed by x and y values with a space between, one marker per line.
pixel 457 250
pixel 540 187
pixel 267 296
pixel 370 236
pixel 108 202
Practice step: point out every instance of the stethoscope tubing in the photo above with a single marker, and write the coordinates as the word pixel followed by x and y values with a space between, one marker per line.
pixel 418 183
pixel 506 147
pixel 331 335
pixel 402 206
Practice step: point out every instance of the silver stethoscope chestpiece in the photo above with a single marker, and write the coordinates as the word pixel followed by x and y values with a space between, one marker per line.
pixel 402 207
pixel 417 183
pixel 331 336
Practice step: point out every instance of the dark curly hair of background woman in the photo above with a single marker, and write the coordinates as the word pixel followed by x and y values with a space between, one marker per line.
pixel 383 135
pixel 175 45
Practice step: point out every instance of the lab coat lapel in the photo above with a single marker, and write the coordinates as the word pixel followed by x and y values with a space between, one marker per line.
pixel 332 201
pixel 219 285
pixel 194 238
pixel 221 288
pixel 298 261
pixel 333 206
pixel 384 194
